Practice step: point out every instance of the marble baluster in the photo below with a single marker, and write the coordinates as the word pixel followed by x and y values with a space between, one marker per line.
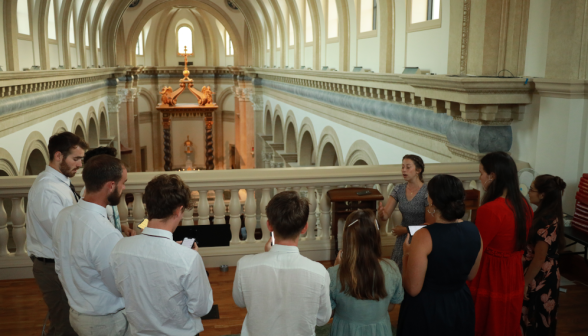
pixel 235 212
pixel 138 211
pixel 3 230
pixel 203 208
pixel 123 211
pixel 250 215
pixel 325 206
pixel 188 216
pixel 265 198
pixel 19 234
pixel 310 235
pixel 219 207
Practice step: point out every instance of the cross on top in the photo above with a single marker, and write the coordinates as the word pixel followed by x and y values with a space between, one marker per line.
pixel 186 57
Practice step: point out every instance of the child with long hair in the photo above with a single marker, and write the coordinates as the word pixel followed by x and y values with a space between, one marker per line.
pixel 364 286
pixel 540 260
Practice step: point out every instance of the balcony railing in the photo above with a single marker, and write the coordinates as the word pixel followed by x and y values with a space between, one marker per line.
pixel 256 187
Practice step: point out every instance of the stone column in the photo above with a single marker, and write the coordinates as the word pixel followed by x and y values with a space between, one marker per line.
pixel 237 92
pixel 243 112
pixel 256 123
pixel 113 103
pixel 166 142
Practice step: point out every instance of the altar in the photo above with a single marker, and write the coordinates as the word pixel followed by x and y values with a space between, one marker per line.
pixel 169 108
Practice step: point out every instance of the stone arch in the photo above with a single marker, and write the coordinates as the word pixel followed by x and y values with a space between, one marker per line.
pixel 103 121
pixel 307 143
pixel 220 98
pixel 92 130
pixel 360 150
pixel 36 163
pixel 278 133
pixel 268 122
pixel 7 163
pixel 35 141
pixel 78 127
pixel 150 98
pixel 59 127
pixel 329 153
pixel 291 135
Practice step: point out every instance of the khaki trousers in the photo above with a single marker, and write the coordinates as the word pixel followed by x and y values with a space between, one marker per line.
pixel 100 325
pixel 55 298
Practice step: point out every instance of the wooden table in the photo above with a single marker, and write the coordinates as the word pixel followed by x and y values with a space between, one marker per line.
pixel 346 200
pixel 579 237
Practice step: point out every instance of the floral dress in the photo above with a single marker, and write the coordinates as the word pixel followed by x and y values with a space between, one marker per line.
pixel 539 315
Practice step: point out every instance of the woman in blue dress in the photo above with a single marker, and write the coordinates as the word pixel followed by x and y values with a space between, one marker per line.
pixel 364 287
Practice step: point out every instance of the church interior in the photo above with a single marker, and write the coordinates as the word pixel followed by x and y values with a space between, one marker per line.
pixel 244 99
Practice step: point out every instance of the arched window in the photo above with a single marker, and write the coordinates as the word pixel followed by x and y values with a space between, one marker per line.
pixel 229 44
pixel 51 28
pixel 267 40
pixel 278 37
pixel 140 44
pixel 423 14
pixel 72 33
pixel 22 17
pixel 367 18
pixel 98 37
pixel 332 19
pixel 290 32
pixel 184 40
pixel 308 22
pixel 87 36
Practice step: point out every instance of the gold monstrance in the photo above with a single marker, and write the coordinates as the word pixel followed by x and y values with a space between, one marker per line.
pixel 169 108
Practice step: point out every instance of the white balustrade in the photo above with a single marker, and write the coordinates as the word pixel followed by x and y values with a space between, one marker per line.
pixel 203 208
pixel 311 214
pixel 138 211
pixel 219 207
pixel 188 216
pixel 3 230
pixel 325 206
pixel 123 211
pixel 250 215
pixel 235 213
pixel 19 234
pixel 265 198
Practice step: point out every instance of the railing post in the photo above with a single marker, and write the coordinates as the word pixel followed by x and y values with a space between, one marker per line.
pixel 3 230
pixel 382 224
pixel 265 198
pixel 325 206
pixel 188 216
pixel 138 211
pixel 123 211
pixel 311 214
pixel 203 208
pixel 250 215
pixel 235 212
pixel 18 230
pixel 219 207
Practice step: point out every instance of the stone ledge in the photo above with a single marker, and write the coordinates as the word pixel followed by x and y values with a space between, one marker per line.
pixel 562 88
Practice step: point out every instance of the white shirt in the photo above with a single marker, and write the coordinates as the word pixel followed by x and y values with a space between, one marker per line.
pixel 49 194
pixel 110 212
pixel 82 241
pixel 164 284
pixel 284 292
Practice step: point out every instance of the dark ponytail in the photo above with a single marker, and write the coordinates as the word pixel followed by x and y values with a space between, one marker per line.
pixel 505 169
pixel 448 196
pixel 418 163
pixel 551 208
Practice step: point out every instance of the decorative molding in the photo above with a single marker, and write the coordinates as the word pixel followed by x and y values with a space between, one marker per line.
pixel 562 88
pixel 462 153
pixel 465 38
pixel 113 103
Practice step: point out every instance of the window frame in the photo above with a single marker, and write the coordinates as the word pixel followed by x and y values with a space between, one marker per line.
pixel 229 42
pixel 291 43
pixel 306 16
pixel 141 39
pixel 277 29
pixel 177 39
pixel 29 36
pixel 367 34
pixel 326 10
pixel 54 21
pixel 424 25
pixel 73 19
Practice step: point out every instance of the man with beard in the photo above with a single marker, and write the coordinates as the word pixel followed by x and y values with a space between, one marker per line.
pixel 50 193
pixel 83 239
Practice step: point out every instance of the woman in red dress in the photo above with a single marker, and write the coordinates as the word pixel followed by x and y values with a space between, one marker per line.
pixel 503 220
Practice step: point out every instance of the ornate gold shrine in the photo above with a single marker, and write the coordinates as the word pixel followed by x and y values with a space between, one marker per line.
pixel 169 109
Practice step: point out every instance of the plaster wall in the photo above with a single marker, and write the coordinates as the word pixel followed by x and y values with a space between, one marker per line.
pixel 429 49
pixel 333 55
pixel 146 137
pixel 367 53
pixel 278 58
pixel 386 153
pixel 140 60
pixel 399 35
pixel 537 37
pixel 171 48
pixel 14 143
pixel 74 57
pixel 2 47
pixel 290 59
pixel 25 54
pixel 308 51
pixel 53 55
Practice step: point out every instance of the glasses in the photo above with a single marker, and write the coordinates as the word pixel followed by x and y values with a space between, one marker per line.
pixel 533 190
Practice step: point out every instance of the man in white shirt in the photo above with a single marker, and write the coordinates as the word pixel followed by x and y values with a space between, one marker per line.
pixel 284 292
pixel 83 238
pixel 164 284
pixel 50 193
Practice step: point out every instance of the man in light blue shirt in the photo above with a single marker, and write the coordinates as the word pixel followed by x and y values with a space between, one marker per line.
pixel 83 239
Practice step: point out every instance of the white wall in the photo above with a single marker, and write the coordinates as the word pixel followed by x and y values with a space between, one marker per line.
pixel 290 60
pixel 368 55
pixel 171 49
pixel 537 37
pixel 399 35
pixel 333 55
pixel 14 143
pixel 53 56
pixel 386 153
pixel 429 49
pixel 74 57
pixel 180 129
pixel 308 52
pixel 25 54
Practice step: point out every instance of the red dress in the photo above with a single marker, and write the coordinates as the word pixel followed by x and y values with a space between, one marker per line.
pixel 497 289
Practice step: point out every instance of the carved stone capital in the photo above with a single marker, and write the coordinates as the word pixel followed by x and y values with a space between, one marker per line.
pixel 113 103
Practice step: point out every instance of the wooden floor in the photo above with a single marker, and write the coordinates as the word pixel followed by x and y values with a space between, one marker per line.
pixel 22 310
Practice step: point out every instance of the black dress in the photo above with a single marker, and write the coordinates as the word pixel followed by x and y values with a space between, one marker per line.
pixel 444 306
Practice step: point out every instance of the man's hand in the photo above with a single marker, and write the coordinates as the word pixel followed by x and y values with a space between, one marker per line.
pixel 195 247
pixel 127 231
pixel 382 213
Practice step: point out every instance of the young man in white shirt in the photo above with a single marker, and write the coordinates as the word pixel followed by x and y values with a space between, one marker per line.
pixel 164 284
pixel 83 238
pixel 51 192
pixel 284 292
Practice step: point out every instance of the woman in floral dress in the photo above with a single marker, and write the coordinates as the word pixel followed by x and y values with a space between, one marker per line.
pixel 540 261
